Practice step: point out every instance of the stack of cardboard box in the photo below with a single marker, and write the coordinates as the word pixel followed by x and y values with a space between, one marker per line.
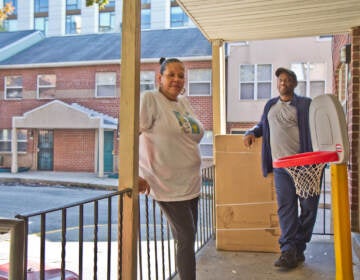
pixel 246 209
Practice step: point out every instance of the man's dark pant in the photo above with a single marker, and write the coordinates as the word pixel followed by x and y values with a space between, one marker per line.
pixel 182 217
pixel 296 230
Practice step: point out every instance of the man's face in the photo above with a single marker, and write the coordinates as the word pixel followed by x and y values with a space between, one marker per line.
pixel 285 85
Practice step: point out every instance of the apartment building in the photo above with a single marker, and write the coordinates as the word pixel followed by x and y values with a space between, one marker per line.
pixel 251 77
pixel 59 84
pixel 65 17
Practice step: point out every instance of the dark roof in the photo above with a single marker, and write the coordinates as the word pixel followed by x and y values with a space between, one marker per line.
pixel 187 42
pixel 7 38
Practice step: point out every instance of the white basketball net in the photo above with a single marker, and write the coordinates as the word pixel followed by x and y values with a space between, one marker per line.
pixel 307 179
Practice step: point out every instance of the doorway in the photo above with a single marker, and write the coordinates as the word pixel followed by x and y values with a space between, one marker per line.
pixel 45 150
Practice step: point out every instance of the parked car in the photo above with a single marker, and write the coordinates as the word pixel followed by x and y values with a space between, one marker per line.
pixel 33 273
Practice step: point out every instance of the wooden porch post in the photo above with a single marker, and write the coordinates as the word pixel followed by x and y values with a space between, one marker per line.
pixel 129 135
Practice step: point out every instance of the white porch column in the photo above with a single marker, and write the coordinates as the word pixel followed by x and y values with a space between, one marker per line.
pixel 218 90
pixel 96 152
pixel 101 152
pixel 14 161
pixel 218 87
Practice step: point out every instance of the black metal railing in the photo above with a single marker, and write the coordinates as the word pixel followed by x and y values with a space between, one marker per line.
pixel 78 232
pixel 85 232
pixel 156 256
pixel 323 225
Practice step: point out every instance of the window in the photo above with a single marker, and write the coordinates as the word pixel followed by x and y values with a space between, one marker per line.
pixel 5 140
pixel 206 145
pixel 13 87
pixel 255 81
pixel 73 24
pixel 147 80
pixel 46 86
pixel 41 15
pixel 343 77
pixel 105 84
pixel 199 82
pixel 107 17
pixel 41 24
pixel 177 17
pixel 10 25
pixel 145 14
pixel 237 131
pixel 41 6
pixel 106 21
pixel 311 78
pixel 14 4
pixel 73 5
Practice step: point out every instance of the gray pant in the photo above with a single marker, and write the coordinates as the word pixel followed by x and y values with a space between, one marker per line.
pixel 182 217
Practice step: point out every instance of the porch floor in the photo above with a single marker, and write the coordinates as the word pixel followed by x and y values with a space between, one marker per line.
pixel 213 264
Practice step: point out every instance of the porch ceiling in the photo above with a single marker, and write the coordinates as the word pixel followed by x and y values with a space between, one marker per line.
pixel 245 20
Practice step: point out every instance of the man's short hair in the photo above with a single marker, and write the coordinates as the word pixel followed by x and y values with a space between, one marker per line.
pixel 289 72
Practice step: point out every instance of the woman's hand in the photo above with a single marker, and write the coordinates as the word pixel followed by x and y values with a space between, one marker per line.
pixel 144 186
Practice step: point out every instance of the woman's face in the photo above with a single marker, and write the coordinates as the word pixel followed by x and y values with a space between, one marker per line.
pixel 171 82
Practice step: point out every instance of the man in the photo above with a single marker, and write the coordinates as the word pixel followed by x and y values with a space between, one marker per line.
pixel 285 129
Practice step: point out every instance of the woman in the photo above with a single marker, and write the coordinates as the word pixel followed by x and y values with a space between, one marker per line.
pixel 170 159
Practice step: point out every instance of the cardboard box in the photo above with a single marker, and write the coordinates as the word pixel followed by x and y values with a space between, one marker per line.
pixel 253 215
pixel 246 208
pixel 238 172
pixel 253 240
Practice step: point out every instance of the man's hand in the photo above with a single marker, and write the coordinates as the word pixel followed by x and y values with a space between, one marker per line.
pixel 249 140
pixel 144 186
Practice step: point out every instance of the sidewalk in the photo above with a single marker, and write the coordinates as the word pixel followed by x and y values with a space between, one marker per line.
pixel 81 179
pixel 213 264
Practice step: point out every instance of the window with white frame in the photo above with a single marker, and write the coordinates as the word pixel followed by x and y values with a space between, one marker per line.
pixel 199 81
pixel 255 81
pixel 5 140
pixel 13 87
pixel 147 80
pixel 46 86
pixel 206 145
pixel 105 84
pixel 311 78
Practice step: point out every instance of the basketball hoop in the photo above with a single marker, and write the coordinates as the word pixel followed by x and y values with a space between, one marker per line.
pixel 306 170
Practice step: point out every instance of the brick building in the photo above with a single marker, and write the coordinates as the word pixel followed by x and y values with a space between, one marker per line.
pixel 61 95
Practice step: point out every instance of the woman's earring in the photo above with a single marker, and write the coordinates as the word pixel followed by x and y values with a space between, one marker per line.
pixel 183 91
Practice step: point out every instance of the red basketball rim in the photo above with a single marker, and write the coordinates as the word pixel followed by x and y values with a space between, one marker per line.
pixel 306 159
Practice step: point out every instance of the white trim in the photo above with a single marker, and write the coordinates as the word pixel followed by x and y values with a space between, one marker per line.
pixel 95 62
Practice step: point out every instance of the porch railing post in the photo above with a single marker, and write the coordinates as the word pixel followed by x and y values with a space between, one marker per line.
pixel 16 228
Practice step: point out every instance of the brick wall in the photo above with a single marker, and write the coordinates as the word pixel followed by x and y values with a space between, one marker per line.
pixel 353 127
pixel 74 150
pixel 353 114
